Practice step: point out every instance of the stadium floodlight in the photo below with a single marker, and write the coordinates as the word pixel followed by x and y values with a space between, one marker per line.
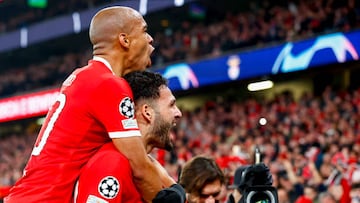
pixel 178 3
pixel 262 85
pixel 143 7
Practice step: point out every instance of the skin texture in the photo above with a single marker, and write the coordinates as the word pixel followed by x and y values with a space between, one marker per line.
pixel 119 35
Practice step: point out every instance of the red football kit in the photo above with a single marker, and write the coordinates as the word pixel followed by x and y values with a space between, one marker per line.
pixel 93 107
pixel 107 178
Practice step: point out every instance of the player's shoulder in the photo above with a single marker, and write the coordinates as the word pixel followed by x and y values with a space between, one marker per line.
pixel 110 158
pixel 99 80
pixel 109 151
pixel 100 72
pixel 112 82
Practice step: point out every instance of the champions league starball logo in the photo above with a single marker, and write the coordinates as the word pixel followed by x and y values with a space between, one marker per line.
pixel 184 74
pixel 126 108
pixel 338 43
pixel 109 187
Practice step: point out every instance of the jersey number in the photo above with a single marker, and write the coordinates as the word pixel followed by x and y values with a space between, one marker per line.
pixel 44 134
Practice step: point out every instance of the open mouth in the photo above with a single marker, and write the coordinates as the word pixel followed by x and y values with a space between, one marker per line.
pixel 151 51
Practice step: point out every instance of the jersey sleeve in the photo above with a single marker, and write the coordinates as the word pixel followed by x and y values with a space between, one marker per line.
pixel 112 105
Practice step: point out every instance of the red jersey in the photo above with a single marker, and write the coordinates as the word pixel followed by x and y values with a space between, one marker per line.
pixel 93 106
pixel 107 177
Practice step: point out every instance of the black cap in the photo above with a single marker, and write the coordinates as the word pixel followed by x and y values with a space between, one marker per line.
pixel 237 177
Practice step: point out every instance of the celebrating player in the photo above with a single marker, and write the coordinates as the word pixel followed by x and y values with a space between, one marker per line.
pixel 94 107
pixel 107 176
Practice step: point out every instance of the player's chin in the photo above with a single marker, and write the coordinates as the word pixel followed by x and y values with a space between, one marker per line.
pixel 151 50
pixel 143 66
pixel 149 63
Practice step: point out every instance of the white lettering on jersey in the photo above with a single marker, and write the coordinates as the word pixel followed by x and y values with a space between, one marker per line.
pixel 43 137
pixel 69 80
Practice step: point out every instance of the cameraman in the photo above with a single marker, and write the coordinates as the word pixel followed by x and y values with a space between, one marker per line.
pixel 235 195
pixel 248 177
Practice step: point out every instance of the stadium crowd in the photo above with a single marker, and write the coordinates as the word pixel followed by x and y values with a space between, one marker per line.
pixel 311 145
pixel 265 23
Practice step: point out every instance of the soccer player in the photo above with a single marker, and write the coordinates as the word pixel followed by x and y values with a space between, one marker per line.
pixel 94 107
pixel 107 177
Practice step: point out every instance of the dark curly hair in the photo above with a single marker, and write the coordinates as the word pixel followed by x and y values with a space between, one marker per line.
pixel 145 84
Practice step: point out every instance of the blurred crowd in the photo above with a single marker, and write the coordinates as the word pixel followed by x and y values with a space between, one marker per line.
pixel 15 152
pixel 311 146
pixel 263 24
pixel 16 15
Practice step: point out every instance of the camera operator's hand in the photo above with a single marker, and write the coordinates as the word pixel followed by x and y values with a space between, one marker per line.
pixel 255 175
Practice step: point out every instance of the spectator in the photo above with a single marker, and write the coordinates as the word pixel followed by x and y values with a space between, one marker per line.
pixel 309 196
pixel 326 197
pixel 202 180
pixel 283 196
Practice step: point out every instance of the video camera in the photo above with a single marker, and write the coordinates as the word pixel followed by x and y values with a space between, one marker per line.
pixel 260 194
pixel 256 183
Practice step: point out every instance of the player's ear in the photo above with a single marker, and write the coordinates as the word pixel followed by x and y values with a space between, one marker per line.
pixel 146 111
pixel 124 40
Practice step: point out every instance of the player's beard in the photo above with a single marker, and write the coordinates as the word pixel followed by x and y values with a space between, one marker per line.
pixel 161 130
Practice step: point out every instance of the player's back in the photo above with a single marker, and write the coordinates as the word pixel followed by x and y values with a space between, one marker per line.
pixel 72 132
pixel 107 177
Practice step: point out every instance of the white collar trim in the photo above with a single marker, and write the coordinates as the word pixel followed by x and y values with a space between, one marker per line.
pixel 104 61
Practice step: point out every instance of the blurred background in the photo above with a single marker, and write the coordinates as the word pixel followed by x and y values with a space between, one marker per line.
pixel 283 76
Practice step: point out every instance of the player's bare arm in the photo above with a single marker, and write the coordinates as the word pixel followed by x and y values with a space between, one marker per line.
pixel 147 176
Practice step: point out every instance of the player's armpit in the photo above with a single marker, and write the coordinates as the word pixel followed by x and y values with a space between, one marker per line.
pixel 146 175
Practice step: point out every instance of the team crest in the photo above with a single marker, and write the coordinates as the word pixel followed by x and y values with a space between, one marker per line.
pixel 109 187
pixel 126 108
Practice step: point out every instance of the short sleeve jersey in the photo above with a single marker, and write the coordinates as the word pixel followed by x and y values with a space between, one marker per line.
pixel 107 177
pixel 93 107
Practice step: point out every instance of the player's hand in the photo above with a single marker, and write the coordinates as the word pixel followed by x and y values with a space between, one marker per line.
pixel 166 179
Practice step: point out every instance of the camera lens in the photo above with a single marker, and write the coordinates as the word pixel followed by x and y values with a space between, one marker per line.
pixel 260 197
